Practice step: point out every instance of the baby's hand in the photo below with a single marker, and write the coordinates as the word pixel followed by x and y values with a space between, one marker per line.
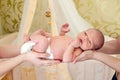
pixel 65 28
pixel 75 43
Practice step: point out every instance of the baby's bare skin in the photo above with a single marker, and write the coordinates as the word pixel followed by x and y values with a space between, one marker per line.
pixel 58 45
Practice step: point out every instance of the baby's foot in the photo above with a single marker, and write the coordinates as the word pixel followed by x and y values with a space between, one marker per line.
pixel 46 34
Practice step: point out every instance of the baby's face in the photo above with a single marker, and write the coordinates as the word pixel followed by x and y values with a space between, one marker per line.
pixel 86 39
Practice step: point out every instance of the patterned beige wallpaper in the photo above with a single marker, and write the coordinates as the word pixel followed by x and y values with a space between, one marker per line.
pixel 10 15
pixel 102 14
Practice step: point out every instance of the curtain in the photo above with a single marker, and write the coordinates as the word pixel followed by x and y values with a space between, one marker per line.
pixel 65 11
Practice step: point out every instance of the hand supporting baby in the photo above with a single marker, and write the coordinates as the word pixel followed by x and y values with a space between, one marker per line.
pixel 86 55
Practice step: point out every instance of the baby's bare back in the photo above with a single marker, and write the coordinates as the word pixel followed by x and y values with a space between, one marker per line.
pixel 58 45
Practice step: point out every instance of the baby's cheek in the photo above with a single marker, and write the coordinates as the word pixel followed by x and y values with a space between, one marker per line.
pixel 84 47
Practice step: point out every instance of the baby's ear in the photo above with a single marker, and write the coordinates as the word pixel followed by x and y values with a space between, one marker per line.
pixel 25 38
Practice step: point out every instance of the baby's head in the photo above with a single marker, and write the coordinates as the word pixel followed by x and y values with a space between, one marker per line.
pixel 91 39
pixel 40 40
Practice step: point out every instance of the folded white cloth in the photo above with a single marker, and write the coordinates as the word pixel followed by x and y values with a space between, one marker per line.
pixel 30 44
pixel 49 52
pixel 27 46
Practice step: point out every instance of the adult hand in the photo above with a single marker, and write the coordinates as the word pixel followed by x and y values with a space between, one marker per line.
pixel 38 58
pixel 85 55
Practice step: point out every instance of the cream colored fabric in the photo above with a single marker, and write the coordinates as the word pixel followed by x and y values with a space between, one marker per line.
pixel 65 11
pixel 27 17
pixel 102 14
pixel 90 70
pixel 54 29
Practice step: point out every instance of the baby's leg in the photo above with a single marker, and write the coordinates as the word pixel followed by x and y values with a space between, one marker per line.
pixel 64 29
pixel 46 34
pixel 41 32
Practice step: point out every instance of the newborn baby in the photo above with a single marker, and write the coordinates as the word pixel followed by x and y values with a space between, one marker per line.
pixel 57 45
pixel 40 40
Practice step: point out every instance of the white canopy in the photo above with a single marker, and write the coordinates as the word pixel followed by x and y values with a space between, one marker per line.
pixel 62 11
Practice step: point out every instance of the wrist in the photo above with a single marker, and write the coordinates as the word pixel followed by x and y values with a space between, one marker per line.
pixel 96 55
pixel 24 57
pixel 19 59
pixel 91 55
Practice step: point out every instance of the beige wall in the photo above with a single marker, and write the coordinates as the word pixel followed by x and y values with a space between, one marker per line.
pixel 10 15
pixel 11 12
pixel 102 14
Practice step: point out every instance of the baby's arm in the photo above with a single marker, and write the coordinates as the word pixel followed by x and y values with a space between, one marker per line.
pixel 64 29
pixel 72 51
pixel 76 53
pixel 68 54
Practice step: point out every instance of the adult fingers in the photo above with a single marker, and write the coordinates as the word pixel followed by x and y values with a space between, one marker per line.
pixel 75 60
pixel 79 58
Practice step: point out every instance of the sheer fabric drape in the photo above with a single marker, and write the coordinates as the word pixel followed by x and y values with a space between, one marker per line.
pixel 65 11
